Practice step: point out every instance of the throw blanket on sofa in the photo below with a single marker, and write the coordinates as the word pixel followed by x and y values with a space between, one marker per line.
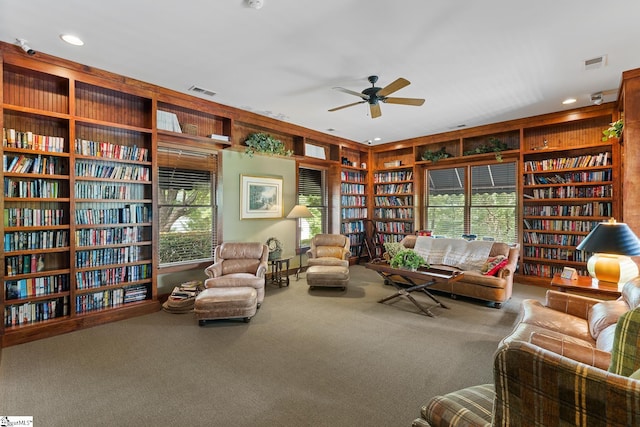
pixel 458 253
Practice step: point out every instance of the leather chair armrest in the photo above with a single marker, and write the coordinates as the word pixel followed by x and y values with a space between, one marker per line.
pixel 214 270
pixel 588 355
pixel 576 305
pixel 262 269
pixel 311 253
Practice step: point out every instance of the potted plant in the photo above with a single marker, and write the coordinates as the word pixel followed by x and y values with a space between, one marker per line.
pixel 434 156
pixel 265 144
pixel 408 259
pixel 615 130
pixel 275 248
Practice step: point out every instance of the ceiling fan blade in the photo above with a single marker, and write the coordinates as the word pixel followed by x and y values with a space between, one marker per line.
pixel 348 105
pixel 405 101
pixel 375 110
pixel 393 86
pixel 352 92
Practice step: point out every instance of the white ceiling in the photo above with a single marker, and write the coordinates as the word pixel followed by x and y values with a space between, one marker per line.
pixel 475 62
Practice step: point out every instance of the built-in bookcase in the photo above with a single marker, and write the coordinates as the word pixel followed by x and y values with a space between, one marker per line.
pixel 354 197
pixel 566 193
pixel 77 204
pixel 393 198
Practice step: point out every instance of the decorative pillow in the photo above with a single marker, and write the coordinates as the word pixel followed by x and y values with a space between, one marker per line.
pixel 603 314
pixel 625 355
pixel 493 265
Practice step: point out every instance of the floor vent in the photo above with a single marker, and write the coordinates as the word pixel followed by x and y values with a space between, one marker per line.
pixel 595 63
pixel 202 91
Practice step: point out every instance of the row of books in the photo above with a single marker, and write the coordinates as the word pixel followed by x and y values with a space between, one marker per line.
pixel 356 239
pixel 108 298
pixel 353 213
pixel 394 227
pixel 559 225
pixel 108 236
pixel 533 237
pixel 556 254
pixel 97 190
pixel 112 276
pixel 401 213
pixel 393 200
pixel 28 217
pixel 129 214
pixel 549 271
pixel 572 192
pixel 588 160
pixel 107 256
pixel 36 286
pixel 109 150
pixel 352 176
pixel 43 239
pixel 37 188
pixel 135 293
pixel 404 188
pixel 587 209
pixel 352 227
pixel 353 200
pixel 574 177
pixel 392 176
pixel 347 187
pixel 33 312
pixel 23 264
pixel 47 165
pixel 17 139
pixel 111 171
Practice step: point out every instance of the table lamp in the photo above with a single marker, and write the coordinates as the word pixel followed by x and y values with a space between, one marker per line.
pixel 611 243
pixel 299 211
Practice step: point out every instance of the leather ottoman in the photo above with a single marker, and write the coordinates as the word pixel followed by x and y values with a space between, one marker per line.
pixel 226 303
pixel 332 276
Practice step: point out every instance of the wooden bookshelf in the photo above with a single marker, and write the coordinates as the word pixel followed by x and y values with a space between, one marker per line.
pixel 394 202
pixel 354 198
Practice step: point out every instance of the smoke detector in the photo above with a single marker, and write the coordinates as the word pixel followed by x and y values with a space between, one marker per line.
pixel 597 98
pixel 255 4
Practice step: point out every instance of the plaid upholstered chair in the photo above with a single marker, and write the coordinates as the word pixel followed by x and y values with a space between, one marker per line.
pixel 537 387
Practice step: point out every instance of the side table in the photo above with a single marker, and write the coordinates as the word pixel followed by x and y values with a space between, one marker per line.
pixel 280 271
pixel 585 284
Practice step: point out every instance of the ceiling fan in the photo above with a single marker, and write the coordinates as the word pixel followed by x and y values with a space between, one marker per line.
pixel 374 95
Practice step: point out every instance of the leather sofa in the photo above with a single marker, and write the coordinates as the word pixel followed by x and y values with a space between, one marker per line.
pixel 576 326
pixel 495 288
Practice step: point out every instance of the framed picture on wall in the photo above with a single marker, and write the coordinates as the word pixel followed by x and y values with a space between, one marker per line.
pixel 260 197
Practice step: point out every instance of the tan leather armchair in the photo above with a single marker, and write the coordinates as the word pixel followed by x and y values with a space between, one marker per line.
pixel 239 265
pixel 329 249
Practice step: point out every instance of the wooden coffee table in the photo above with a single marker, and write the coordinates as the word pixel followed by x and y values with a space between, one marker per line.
pixel 407 281
pixel 585 284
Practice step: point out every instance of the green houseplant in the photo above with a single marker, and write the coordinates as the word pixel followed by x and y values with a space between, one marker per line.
pixel 434 156
pixel 265 144
pixel 493 145
pixel 407 258
pixel 614 131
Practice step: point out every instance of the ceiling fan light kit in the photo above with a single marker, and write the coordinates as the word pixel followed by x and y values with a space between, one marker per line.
pixel 374 95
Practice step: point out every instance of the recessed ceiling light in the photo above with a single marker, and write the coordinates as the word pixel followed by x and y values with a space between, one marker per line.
pixel 569 101
pixel 377 138
pixel 71 39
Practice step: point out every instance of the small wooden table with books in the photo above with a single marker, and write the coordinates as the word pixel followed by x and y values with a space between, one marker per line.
pixel 407 281
pixel 587 285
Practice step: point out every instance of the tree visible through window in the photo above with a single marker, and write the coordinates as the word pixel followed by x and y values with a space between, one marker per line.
pixel 312 194
pixel 480 200
pixel 186 203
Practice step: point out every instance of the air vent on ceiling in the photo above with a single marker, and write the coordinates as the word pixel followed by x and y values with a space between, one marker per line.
pixel 202 91
pixel 595 63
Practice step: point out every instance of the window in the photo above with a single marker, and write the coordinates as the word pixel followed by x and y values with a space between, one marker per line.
pixel 187 206
pixel 479 200
pixel 312 194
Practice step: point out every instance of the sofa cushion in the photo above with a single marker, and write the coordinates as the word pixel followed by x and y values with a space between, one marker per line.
pixel 604 314
pixel 535 313
pixel 471 406
pixel 631 292
pixel 605 339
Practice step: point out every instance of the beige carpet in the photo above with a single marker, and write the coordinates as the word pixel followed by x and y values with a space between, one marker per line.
pixel 308 358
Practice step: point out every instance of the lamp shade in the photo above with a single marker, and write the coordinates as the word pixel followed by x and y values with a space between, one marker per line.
pixel 300 211
pixel 611 238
